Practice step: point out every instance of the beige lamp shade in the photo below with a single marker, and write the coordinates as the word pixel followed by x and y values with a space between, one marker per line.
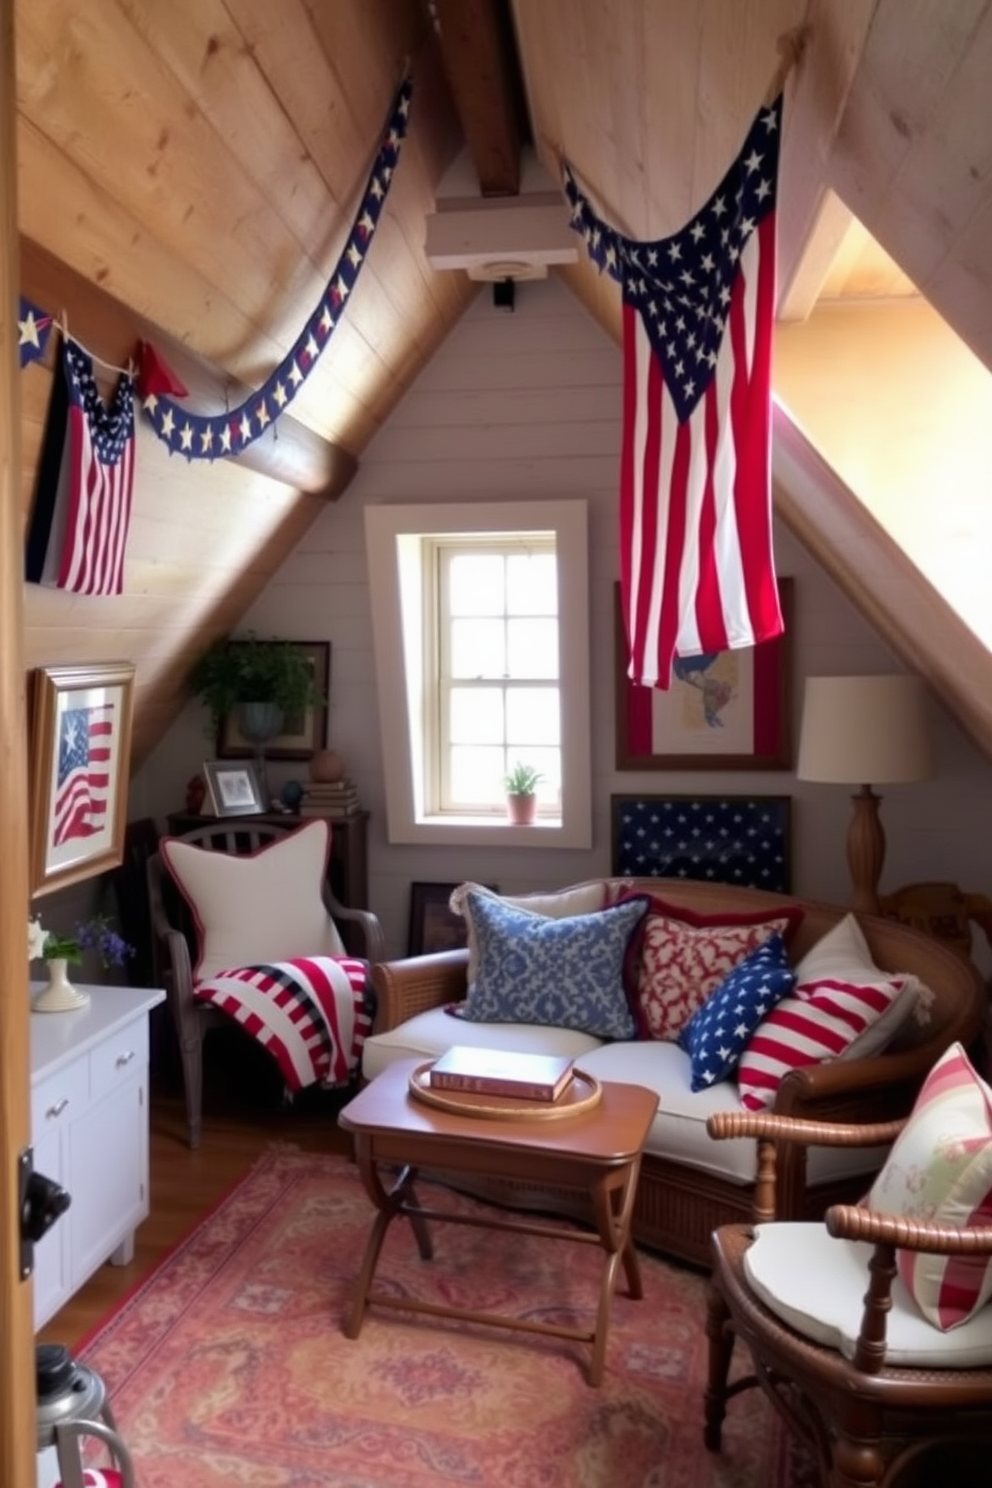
pixel 864 731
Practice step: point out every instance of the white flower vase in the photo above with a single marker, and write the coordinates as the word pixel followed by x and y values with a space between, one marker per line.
pixel 60 996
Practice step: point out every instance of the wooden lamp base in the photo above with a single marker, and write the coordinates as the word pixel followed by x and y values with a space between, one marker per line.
pixel 865 851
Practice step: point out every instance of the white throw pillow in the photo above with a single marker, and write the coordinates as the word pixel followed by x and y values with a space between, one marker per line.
pixel 263 906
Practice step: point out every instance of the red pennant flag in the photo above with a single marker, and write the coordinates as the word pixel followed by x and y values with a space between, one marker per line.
pixel 155 375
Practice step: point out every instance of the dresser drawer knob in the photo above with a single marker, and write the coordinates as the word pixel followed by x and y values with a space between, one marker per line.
pixel 57 1109
pixel 124 1059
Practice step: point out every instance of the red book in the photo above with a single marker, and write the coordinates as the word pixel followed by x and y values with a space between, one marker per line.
pixel 537 1077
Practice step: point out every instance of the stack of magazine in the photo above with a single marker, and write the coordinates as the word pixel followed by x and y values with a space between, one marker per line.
pixel 337 798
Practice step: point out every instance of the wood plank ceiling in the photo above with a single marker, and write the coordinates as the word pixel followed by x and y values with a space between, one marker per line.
pixel 200 163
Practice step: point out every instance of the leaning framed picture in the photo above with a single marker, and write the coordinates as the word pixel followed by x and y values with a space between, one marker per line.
pixel 725 711
pixel 233 790
pixel 433 926
pixel 79 768
pixel 304 733
pixel 742 840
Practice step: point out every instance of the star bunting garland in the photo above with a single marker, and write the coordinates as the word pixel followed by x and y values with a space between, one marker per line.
pixel 200 437
pixel 33 330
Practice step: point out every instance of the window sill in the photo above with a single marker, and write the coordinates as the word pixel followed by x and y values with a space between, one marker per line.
pixel 476 831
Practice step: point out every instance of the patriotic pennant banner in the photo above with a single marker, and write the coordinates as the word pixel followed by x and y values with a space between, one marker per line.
pixel 33 330
pixel 82 510
pixel 228 433
pixel 697 566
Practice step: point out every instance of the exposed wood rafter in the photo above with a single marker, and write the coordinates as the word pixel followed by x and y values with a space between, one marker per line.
pixel 480 61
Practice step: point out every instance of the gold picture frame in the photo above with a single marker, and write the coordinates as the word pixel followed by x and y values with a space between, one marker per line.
pixel 79 767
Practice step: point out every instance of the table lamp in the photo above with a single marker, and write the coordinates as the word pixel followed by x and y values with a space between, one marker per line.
pixel 864 731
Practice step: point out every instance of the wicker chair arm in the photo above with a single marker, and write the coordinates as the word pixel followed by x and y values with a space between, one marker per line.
pixel 416 984
pixel 852 1222
pixel 766 1125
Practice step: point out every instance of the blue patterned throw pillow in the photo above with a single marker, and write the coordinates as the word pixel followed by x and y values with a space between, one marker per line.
pixel 568 973
pixel 717 1033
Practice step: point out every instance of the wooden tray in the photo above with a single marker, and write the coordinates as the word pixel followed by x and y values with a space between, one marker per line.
pixel 581 1094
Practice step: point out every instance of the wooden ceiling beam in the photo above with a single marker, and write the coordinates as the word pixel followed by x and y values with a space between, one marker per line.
pixel 288 452
pixel 480 62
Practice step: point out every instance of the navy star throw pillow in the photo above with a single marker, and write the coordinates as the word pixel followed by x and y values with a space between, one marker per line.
pixel 717 1033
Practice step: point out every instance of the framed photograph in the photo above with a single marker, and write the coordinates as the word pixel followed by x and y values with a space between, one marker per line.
pixel 80 758
pixel 303 733
pixel 233 790
pixel 726 711
pixel 729 839
pixel 433 927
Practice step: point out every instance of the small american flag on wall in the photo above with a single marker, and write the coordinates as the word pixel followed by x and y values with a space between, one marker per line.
pixel 82 787
pixel 82 510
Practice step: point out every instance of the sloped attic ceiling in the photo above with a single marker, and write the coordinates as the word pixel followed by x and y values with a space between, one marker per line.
pixel 199 163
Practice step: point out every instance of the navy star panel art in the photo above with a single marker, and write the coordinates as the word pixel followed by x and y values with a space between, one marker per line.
pixel 726 839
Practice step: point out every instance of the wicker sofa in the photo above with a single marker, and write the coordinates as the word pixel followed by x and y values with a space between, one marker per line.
pixel 686 1188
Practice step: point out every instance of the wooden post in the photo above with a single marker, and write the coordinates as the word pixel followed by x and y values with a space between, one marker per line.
pixel 18 1458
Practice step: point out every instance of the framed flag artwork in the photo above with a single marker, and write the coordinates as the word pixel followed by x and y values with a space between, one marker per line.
pixel 79 765
pixel 743 840
pixel 729 710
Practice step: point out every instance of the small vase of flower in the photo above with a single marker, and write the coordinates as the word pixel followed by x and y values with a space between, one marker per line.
pixel 57 951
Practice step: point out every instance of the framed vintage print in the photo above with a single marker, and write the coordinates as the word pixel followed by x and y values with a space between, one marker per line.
pixel 303 733
pixel 433 926
pixel 728 711
pixel 80 759
pixel 742 840
pixel 233 790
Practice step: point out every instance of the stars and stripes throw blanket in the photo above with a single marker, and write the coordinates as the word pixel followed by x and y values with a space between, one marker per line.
pixel 312 1013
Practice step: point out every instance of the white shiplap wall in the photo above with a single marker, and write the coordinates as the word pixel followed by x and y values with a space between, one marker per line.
pixel 525 404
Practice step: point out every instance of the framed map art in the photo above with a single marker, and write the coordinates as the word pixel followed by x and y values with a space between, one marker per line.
pixel 728 711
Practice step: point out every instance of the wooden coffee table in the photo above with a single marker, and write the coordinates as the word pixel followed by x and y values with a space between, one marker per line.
pixel 597 1151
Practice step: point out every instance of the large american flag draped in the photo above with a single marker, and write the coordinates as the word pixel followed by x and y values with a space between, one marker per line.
pixel 697 567
pixel 82 512
pixel 83 782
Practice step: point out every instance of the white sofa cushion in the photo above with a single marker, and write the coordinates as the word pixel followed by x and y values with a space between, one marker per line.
pixel 786 1257
pixel 678 1131
pixel 429 1034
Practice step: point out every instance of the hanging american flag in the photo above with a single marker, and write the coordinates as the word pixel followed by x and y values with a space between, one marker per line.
pixel 83 782
pixel 697 566
pixel 82 511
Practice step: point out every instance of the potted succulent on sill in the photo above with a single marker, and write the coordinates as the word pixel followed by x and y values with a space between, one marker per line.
pixel 262 680
pixel 521 797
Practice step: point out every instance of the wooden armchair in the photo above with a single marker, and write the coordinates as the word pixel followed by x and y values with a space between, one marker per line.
pixel 178 938
pixel 872 1388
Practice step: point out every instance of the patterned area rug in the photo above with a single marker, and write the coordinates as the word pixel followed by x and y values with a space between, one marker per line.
pixel 228 1366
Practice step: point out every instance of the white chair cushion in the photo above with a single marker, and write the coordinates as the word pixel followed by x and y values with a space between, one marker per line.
pixel 817 1284
pixel 263 906
pixel 426 1035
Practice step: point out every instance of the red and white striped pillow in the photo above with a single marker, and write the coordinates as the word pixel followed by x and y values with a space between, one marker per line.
pixel 843 1007
pixel 940 1169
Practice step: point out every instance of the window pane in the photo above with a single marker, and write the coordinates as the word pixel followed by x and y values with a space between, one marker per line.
pixel 532 584
pixel 478 648
pixel 477 776
pixel 532 648
pixel 476 584
pixel 476 715
pixel 532 717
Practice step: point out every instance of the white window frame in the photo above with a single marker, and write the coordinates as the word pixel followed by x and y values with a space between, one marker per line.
pixel 393 537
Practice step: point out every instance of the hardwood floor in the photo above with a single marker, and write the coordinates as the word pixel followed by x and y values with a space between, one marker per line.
pixel 243 1116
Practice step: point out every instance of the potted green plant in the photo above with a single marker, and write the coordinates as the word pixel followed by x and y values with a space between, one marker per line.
pixel 248 669
pixel 521 798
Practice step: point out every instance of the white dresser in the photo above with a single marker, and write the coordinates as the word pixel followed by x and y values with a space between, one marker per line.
pixel 89 1129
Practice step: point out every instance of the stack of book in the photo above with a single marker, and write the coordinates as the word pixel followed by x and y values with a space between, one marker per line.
pixel 339 798
pixel 537 1077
